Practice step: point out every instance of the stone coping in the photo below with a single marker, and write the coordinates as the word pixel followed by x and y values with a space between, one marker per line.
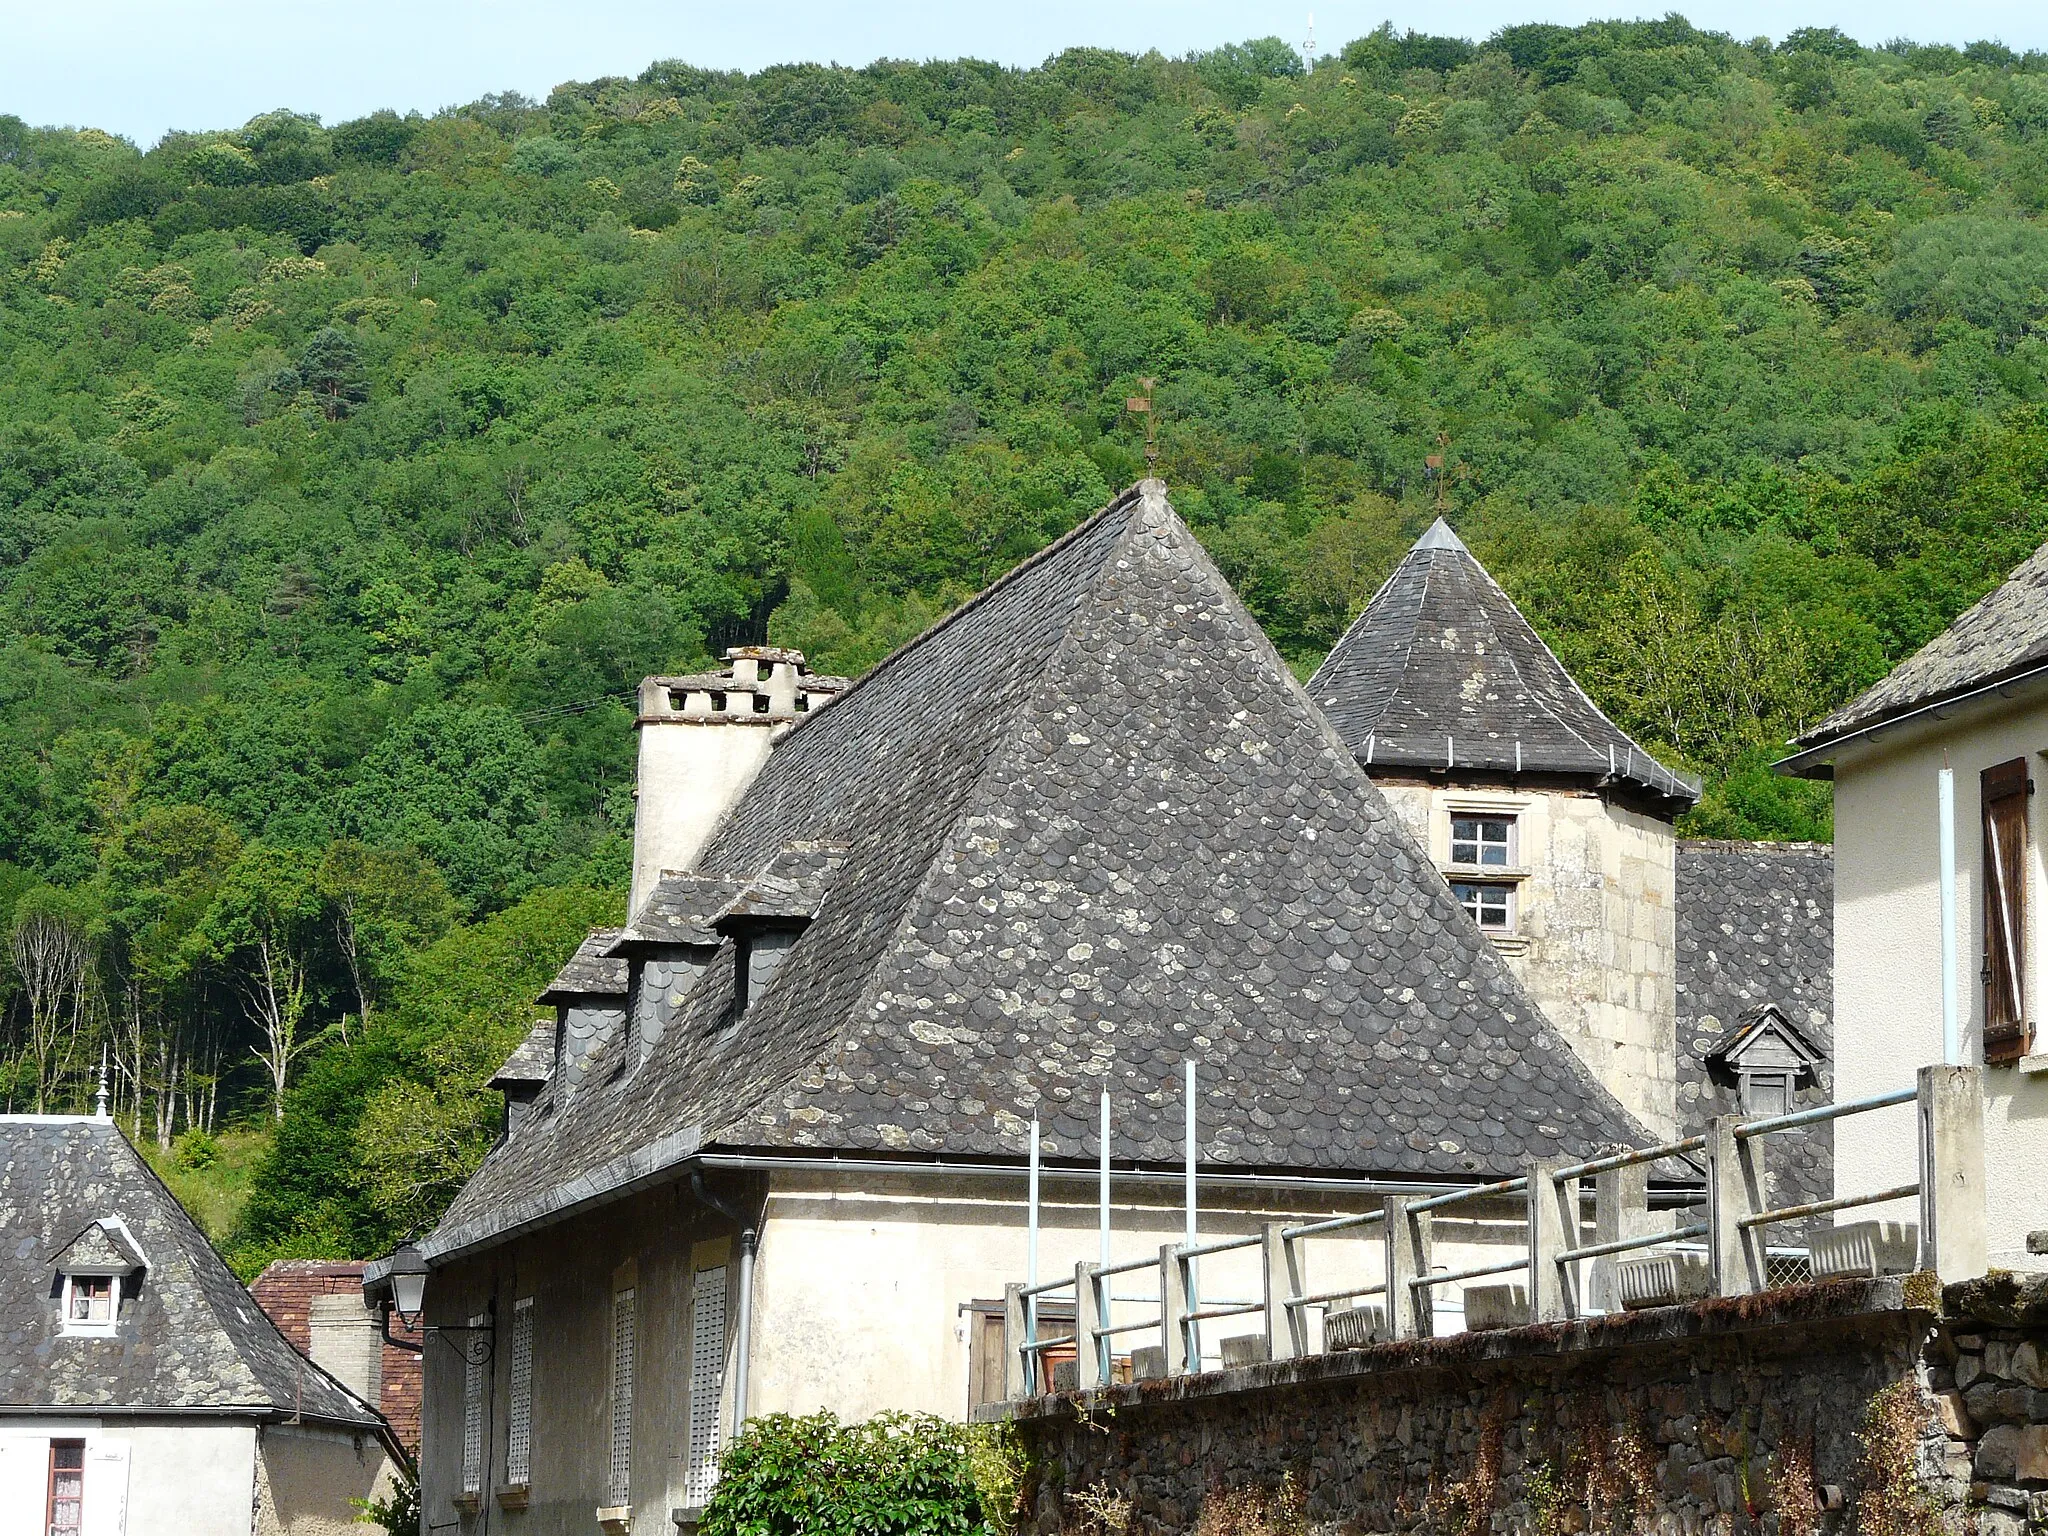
pixel 1801 1307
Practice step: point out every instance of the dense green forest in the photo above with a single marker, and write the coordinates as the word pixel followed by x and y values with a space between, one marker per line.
pixel 351 475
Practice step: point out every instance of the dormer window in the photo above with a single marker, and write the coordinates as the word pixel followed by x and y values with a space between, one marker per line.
pixel 91 1271
pixel 89 1303
pixel 1767 1059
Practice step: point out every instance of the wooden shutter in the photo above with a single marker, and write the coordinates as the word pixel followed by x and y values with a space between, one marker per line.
pixel 2004 792
pixel 473 1409
pixel 519 1431
pixel 619 1486
pixel 707 1383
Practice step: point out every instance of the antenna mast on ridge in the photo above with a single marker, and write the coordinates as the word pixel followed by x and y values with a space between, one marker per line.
pixel 1308 49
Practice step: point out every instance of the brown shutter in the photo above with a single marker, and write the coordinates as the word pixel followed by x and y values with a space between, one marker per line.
pixel 2004 790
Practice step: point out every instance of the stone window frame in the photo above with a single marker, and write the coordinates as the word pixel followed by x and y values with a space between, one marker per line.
pixel 1507 878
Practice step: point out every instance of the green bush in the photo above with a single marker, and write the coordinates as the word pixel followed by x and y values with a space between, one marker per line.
pixel 897 1474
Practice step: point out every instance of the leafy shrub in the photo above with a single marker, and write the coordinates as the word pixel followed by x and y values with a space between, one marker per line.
pixel 897 1474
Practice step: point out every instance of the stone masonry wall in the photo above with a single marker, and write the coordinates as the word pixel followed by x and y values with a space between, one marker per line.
pixel 1815 1409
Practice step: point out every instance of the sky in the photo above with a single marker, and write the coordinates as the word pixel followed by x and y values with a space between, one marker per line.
pixel 140 67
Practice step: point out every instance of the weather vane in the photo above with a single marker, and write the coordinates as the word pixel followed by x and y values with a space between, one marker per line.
pixel 1141 405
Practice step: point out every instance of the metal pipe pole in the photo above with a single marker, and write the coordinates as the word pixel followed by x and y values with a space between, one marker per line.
pixel 1031 1221
pixel 1194 1285
pixel 1951 1012
pixel 1105 1178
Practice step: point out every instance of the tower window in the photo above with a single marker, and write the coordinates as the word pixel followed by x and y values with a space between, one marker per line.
pixel 1483 840
pixel 1492 906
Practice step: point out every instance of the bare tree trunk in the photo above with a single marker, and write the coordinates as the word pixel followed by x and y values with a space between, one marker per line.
pixel 277 998
pixel 54 961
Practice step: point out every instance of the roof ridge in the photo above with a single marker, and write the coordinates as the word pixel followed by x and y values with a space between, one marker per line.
pixel 937 626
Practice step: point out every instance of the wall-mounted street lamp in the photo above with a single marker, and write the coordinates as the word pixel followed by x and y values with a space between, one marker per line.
pixel 399 1284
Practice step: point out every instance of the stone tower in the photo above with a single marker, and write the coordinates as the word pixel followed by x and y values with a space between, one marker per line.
pixel 702 740
pixel 1554 829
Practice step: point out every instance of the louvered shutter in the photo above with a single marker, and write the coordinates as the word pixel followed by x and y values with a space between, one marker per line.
pixel 473 1409
pixel 519 1422
pixel 620 1484
pixel 2004 791
pixel 707 1381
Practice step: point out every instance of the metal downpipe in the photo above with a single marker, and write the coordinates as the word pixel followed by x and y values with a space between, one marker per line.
pixel 750 1240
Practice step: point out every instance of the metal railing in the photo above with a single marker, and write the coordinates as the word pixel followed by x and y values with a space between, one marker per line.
pixel 1565 1277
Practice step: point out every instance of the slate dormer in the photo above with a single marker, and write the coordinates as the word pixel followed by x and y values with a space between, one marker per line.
pixel 1767 1058
pixel 93 1275
pixel 771 912
pixel 525 1073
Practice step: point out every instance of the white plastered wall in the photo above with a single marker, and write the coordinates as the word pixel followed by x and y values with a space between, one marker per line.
pixel 861 1279
pixel 1596 926
pixel 690 771
pixel 195 1478
pixel 1888 957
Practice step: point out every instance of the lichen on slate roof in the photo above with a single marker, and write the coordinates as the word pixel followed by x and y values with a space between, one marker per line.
pixel 1755 925
pixel 531 1061
pixel 2004 633
pixel 190 1337
pixel 591 972
pixel 1442 672
pixel 1092 828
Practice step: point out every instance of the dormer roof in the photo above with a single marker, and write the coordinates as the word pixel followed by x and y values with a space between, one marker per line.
pixel 1765 1037
pixel 591 972
pixel 104 1247
pixel 531 1064
pixel 1442 673
pixel 789 891
pixel 681 909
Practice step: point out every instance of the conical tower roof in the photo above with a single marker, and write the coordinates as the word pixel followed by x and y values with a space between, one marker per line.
pixel 1092 829
pixel 1443 674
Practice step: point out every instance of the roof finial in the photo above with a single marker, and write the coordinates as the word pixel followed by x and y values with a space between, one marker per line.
pixel 1141 405
pixel 1440 536
pixel 99 1111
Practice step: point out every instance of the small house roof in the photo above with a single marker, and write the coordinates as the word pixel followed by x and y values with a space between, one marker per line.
pixel 1443 673
pixel 192 1338
pixel 1999 638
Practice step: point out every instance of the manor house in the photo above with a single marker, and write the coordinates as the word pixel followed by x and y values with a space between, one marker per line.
pixel 1416 927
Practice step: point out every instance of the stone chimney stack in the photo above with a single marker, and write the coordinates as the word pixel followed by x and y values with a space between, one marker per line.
pixel 702 740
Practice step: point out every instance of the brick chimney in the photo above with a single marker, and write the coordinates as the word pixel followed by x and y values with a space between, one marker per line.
pixel 702 740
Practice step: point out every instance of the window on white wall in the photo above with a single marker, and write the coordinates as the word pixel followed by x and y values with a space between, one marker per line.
pixel 473 1408
pixel 624 1344
pixel 707 1382
pixel 66 1505
pixel 1492 906
pixel 1486 841
pixel 519 1419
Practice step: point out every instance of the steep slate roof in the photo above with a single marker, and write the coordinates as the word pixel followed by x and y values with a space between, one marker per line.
pixel 590 972
pixel 191 1338
pixel 2002 635
pixel 1755 925
pixel 1441 672
pixel 1093 828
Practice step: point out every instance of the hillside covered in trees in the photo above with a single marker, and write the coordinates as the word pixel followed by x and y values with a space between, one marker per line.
pixel 350 476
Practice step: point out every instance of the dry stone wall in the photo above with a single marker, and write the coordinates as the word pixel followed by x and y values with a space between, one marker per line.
pixel 1810 1410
